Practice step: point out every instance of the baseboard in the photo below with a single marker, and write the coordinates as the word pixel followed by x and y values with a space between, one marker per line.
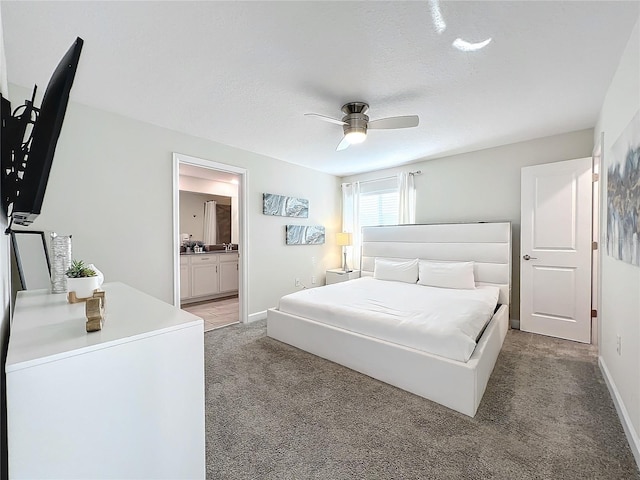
pixel 515 323
pixel 627 425
pixel 254 317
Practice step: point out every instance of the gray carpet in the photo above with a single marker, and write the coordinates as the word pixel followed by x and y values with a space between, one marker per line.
pixel 276 412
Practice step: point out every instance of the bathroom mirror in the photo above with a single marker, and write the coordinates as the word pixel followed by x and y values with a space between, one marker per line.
pixel 206 218
pixel 32 259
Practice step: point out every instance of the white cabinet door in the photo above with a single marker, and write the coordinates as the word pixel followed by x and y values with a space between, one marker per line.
pixel 185 282
pixel 204 278
pixel 228 276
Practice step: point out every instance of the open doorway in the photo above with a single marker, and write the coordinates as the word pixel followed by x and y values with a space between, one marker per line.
pixel 209 239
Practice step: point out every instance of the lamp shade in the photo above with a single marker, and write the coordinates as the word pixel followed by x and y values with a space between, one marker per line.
pixel 343 239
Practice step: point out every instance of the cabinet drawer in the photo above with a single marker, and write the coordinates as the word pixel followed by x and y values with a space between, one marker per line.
pixel 337 276
pixel 229 257
pixel 199 260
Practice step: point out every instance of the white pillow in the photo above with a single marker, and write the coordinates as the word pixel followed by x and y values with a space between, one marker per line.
pixel 396 270
pixel 446 274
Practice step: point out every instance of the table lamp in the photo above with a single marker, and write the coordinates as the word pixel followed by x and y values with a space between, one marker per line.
pixel 344 239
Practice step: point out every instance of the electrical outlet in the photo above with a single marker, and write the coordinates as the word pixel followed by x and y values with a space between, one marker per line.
pixel 297 282
pixel 313 279
pixel 313 261
pixel 619 344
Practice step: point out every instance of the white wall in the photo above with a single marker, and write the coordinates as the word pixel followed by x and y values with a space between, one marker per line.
pixel 111 187
pixel 204 185
pixel 620 282
pixel 5 295
pixel 485 185
pixel 5 289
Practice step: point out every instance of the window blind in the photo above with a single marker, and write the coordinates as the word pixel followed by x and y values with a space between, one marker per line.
pixel 379 203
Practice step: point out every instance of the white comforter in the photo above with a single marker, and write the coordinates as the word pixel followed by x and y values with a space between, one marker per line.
pixel 441 321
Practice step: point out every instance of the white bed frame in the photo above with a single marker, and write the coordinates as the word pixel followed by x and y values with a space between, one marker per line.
pixel 455 384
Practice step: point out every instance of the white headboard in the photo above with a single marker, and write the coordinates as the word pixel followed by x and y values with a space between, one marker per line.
pixel 486 244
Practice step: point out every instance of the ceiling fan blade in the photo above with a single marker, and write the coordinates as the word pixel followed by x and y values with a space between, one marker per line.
pixel 343 145
pixel 325 118
pixel 394 122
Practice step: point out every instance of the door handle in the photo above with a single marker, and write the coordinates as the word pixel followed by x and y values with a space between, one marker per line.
pixel 527 257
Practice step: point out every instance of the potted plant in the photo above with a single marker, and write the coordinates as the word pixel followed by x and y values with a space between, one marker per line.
pixel 83 279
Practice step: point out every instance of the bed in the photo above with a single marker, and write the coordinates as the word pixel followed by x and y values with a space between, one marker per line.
pixel 400 358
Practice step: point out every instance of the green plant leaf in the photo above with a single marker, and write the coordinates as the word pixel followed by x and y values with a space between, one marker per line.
pixel 79 270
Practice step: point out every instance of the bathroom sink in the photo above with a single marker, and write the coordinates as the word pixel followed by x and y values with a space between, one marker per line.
pixel 220 248
pixel 210 249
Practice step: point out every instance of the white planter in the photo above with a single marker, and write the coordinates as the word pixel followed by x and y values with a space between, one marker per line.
pixel 84 286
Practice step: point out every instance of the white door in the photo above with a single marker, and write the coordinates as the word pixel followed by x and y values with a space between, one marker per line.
pixel 555 248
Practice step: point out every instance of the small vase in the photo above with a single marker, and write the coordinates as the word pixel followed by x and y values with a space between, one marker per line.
pixel 61 261
pixel 83 286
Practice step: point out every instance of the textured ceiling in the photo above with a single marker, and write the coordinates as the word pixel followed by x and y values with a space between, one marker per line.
pixel 244 73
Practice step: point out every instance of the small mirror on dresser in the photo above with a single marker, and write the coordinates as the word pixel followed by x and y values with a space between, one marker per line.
pixel 31 259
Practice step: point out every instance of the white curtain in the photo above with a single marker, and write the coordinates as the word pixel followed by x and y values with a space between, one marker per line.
pixel 210 225
pixel 406 199
pixel 350 221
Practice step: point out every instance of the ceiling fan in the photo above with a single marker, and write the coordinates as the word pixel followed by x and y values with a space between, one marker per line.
pixel 355 123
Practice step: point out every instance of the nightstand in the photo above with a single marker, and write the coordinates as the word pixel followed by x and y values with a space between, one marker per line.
pixel 337 275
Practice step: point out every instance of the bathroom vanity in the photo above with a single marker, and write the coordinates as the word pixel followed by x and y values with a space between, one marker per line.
pixel 208 275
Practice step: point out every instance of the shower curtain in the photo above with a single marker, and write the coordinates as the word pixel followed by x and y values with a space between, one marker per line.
pixel 210 227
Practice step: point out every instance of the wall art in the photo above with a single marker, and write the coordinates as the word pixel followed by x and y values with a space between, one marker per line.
pixel 305 235
pixel 623 195
pixel 284 206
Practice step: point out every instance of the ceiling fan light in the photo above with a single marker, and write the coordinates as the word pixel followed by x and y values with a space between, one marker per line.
pixel 356 137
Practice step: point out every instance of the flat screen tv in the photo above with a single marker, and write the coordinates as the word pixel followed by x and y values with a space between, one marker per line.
pixel 26 172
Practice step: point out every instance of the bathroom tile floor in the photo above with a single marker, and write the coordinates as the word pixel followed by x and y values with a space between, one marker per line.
pixel 215 313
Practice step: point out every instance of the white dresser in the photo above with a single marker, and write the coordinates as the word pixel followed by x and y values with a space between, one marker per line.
pixel 123 402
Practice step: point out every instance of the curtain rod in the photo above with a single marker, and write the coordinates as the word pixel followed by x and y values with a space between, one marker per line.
pixel 417 172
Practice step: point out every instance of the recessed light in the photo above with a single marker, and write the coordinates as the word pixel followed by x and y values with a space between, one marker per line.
pixel 465 46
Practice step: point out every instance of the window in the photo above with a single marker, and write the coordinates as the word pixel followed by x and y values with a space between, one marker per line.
pixel 387 201
pixel 379 203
